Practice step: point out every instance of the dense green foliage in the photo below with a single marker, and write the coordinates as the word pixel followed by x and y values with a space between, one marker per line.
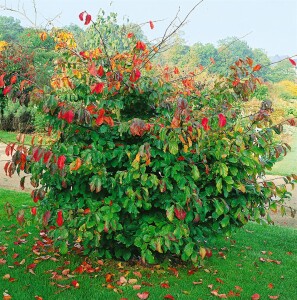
pixel 143 162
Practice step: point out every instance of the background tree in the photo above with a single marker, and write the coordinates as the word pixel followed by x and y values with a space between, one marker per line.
pixel 10 29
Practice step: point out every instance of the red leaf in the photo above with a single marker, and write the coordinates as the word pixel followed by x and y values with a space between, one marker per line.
pixel 222 120
pixel 7 89
pixel 61 162
pixel 92 69
pixel 143 295
pixel 59 219
pixel 33 211
pixel 255 297
pixel 270 286
pixel 46 218
pixel 109 121
pixel 292 61
pixel 257 68
pixel 212 60
pixel 130 35
pixel 176 70
pixel 75 283
pixel 68 116
pixel 168 296
pixel 204 123
pixel 97 88
pixel 47 156
pixel 135 75
pixel 140 45
pixel 180 213
pixel 88 19
pixel 81 15
pixel 165 285
pixel 152 25
pixel 2 82
pixel 100 118
pixel 100 71
pixel 13 79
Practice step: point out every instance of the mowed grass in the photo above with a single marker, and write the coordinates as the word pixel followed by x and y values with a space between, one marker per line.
pixel 288 165
pixel 10 137
pixel 256 260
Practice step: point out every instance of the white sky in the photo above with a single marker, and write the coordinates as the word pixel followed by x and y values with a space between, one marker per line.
pixel 273 22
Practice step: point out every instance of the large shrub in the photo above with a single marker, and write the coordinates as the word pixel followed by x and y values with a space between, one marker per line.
pixel 144 161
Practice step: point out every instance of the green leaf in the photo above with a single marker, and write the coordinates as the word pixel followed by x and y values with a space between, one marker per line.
pixel 188 250
pixel 173 147
pixel 225 221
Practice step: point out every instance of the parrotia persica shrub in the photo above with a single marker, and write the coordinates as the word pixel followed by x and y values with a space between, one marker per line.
pixel 142 160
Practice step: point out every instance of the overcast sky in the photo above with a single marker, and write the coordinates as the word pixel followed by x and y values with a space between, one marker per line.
pixel 272 23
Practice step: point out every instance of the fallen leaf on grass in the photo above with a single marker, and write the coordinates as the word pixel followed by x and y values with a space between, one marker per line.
pixel 75 283
pixel 108 277
pixel 169 297
pixel 6 296
pixel 273 297
pixel 136 287
pixel 174 271
pixel 138 274
pixel 165 285
pixel 216 293
pixel 255 297
pixel 238 288
pixel 38 298
pixel 197 282
pixel 270 286
pixel 219 280
pixel 143 295
pixel 132 281
pixel 6 277
pixel 2 261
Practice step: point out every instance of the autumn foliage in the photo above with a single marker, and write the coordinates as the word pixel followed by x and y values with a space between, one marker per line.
pixel 141 160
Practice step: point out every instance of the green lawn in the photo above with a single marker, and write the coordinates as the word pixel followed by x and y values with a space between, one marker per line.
pixel 257 259
pixel 8 137
pixel 288 165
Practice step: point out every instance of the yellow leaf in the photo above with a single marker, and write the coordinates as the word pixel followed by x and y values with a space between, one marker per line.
pixel 202 252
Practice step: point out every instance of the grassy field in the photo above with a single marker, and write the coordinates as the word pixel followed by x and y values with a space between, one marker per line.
pixel 288 164
pixel 257 260
pixel 8 137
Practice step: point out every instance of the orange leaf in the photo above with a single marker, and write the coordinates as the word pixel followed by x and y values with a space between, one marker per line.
pixel 76 165
pixel 270 286
pixel 43 36
pixel 257 68
pixel 108 277
pixel 13 79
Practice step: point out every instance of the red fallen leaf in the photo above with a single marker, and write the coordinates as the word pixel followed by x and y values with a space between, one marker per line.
pixel 61 162
pixel 165 285
pixel 219 280
pixel 31 266
pixel 180 213
pixel 59 219
pixel 81 15
pixel 11 279
pixel 138 274
pixel 255 297
pixel 108 277
pixel 88 19
pixel 97 88
pixel 2 82
pixel 257 68
pixel 152 25
pixel 168 296
pixel 2 261
pixel 292 61
pixel 174 271
pixel 238 288
pixel 273 297
pixel 7 89
pixel 38 298
pixel 13 79
pixel 143 295
pixel 21 217
pixel 75 283
pixel 270 286
pixel 15 255
pixel 136 287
